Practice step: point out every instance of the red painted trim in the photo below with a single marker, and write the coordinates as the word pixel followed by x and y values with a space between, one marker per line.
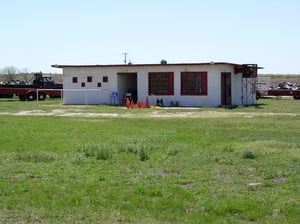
pixel 145 65
pixel 226 88
pixel 127 73
pixel 203 83
pixel 105 79
pixel 89 79
pixel 170 83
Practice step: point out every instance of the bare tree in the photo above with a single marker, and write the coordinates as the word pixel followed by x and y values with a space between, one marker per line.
pixel 25 75
pixel 10 73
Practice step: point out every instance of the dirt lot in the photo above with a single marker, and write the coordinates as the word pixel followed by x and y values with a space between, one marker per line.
pixel 159 113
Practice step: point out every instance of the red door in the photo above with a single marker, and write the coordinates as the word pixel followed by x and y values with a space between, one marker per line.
pixel 226 88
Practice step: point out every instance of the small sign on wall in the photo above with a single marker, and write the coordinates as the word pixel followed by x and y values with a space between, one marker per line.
pixel 115 95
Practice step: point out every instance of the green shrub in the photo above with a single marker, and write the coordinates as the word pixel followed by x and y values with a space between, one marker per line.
pixel 143 154
pixel 128 148
pixel 88 149
pixel 174 150
pixel 103 153
pixel 249 154
pixel 136 148
pixel 36 157
pixel 97 150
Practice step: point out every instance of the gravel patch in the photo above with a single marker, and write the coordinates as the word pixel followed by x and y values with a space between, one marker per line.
pixel 152 114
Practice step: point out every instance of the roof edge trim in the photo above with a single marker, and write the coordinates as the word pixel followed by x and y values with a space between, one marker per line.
pixel 141 65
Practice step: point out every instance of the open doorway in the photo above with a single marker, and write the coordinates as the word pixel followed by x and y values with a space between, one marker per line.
pixel 226 88
pixel 127 86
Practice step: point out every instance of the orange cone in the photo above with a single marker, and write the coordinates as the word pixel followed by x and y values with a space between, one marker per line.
pixel 142 104
pixel 147 102
pixel 127 103
pixel 132 104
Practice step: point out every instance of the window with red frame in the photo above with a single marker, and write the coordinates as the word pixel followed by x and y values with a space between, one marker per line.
pixel 75 80
pixel 193 83
pixel 161 83
pixel 89 79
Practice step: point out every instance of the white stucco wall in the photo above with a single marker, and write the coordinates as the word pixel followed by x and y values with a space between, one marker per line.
pixel 92 94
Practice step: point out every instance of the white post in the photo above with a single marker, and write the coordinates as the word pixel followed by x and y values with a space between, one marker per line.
pixel 61 95
pixel 37 97
pixel 86 98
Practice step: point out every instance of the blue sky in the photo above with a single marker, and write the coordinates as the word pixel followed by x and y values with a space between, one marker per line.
pixel 36 34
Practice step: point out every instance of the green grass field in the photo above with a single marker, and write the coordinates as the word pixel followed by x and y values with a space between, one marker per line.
pixel 240 168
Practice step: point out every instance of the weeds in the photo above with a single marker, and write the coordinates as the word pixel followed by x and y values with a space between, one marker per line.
pixel 52 168
pixel 104 151
pixel 136 148
pixel 129 148
pixel 97 150
pixel 36 157
pixel 143 154
pixel 174 150
pixel 249 154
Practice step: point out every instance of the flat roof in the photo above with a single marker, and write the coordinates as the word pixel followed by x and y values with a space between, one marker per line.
pixel 141 65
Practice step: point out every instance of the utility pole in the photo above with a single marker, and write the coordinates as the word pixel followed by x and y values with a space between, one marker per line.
pixel 125 60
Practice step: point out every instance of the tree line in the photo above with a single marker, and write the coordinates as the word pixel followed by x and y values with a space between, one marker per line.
pixel 12 73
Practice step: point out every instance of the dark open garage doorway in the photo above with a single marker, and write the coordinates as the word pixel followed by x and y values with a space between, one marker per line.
pixel 127 86
pixel 226 88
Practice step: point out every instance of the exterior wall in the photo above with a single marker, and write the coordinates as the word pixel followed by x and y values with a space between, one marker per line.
pixel 213 86
pixel 74 93
pixel 236 90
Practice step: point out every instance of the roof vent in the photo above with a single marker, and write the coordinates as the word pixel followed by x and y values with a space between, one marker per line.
pixel 163 62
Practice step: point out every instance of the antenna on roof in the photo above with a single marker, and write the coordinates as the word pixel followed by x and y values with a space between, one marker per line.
pixel 125 59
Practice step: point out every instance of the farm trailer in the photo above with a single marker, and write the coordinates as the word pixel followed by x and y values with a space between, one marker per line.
pixel 280 92
pixel 41 87
pixel 283 89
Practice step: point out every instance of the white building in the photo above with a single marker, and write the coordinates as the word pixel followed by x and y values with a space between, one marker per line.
pixel 185 84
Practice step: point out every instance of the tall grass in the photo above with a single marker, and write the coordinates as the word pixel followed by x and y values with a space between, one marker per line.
pixel 124 170
pixel 97 150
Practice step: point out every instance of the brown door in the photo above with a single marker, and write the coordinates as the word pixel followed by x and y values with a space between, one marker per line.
pixel 226 88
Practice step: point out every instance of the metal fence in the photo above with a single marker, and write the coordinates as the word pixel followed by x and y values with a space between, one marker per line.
pixel 86 96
